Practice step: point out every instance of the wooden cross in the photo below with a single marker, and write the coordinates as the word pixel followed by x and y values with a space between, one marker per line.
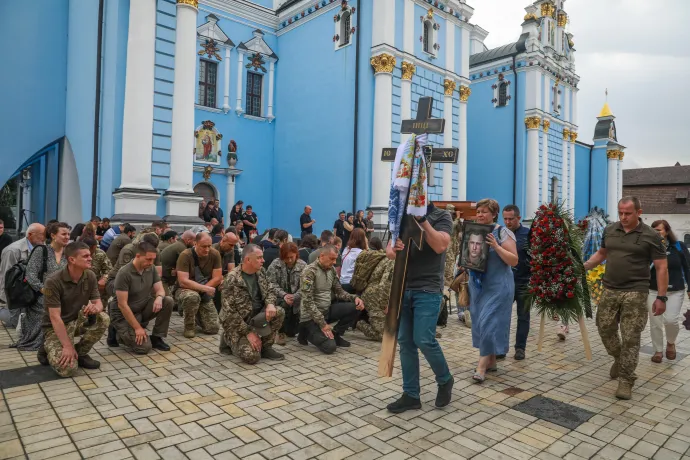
pixel 410 233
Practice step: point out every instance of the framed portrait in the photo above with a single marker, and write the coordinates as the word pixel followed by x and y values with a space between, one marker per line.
pixel 207 149
pixel 475 249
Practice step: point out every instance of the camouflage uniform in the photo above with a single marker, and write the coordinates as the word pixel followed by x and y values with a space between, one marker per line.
pixel 286 281
pixel 628 308
pixel 452 253
pixel 237 309
pixel 101 266
pixel 375 297
pixel 196 311
pixel 90 335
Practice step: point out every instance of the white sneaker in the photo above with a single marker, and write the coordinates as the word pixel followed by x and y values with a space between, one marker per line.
pixel 19 323
pixel 461 316
pixel 468 319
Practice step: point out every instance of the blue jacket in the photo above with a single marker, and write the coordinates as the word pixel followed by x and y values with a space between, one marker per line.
pixel 521 272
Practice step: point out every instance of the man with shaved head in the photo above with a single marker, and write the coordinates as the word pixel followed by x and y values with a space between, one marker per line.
pixel 19 250
pixel 226 248
pixel 169 257
pixel 199 273
pixel 306 223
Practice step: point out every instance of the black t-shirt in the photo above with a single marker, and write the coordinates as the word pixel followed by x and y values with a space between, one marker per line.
pixel 251 218
pixel 340 230
pixel 305 219
pixel 427 267
pixel 5 240
pixel 100 231
pixel 360 224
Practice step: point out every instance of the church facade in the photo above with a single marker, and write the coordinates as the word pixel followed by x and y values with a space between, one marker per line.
pixel 138 109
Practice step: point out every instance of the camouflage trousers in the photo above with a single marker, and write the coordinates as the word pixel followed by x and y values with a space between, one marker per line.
pixel 125 333
pixel 197 312
pixel 241 348
pixel 373 328
pixel 90 335
pixel 629 310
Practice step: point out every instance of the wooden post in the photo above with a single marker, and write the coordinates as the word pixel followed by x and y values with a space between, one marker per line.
pixel 585 338
pixel 541 332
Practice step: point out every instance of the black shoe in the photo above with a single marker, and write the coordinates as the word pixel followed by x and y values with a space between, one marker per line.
pixel 270 353
pixel 340 341
pixel 403 404
pixel 499 357
pixel 159 344
pixel 112 337
pixel 42 356
pixel 302 338
pixel 87 363
pixel 445 393
pixel 519 354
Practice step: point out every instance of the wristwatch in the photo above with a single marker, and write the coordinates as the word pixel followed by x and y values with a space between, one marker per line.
pixel 421 220
pixel 663 298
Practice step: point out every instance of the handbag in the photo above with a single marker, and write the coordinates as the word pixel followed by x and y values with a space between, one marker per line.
pixel 459 286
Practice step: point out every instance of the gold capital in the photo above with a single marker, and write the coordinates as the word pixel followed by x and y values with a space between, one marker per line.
pixel 614 154
pixel 546 124
pixel 566 134
pixel 408 69
pixel 194 3
pixel 383 63
pixel 529 16
pixel 547 9
pixel 573 136
pixel 449 86
pixel 562 19
pixel 532 122
pixel 620 157
pixel 465 93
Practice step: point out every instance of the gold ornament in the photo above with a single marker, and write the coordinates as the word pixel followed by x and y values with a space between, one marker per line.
pixel 449 86
pixel 408 69
pixel 465 93
pixel 530 16
pixel 383 63
pixel 546 124
pixel 547 9
pixel 620 157
pixel 566 134
pixel 207 172
pixel 532 122
pixel 430 13
pixel 562 19
pixel 614 154
pixel 194 3
pixel 573 136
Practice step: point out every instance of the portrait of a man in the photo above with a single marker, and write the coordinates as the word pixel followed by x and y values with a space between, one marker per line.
pixel 475 249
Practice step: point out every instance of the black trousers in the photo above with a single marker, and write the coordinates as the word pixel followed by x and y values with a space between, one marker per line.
pixel 344 312
pixel 291 324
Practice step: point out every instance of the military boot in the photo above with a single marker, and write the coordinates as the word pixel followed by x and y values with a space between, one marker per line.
pixel 624 390
pixel 615 370
pixel 189 325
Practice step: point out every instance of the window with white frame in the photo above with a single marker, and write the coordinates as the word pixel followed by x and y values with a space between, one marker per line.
pixel 501 89
pixel 254 87
pixel 345 26
pixel 555 98
pixel 208 76
pixel 428 37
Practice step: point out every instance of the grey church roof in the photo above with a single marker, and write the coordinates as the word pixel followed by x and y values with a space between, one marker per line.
pixel 500 52
pixel 286 5
pixel 603 128
pixel 667 175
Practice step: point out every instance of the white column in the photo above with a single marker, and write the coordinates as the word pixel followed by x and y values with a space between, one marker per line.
pixel 408 70
pixel 408 27
pixel 226 82
pixel 612 183
pixel 571 180
pixel 447 184
pixel 545 198
pixel 240 77
pixel 383 31
pixel 620 176
pixel 383 99
pixel 271 84
pixel 230 193
pixel 462 143
pixel 182 201
pixel 564 168
pixel 532 176
pixel 465 55
pixel 135 194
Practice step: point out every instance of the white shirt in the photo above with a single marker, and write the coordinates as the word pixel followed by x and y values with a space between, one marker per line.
pixel 348 267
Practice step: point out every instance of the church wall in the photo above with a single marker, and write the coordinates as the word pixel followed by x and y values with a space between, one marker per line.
pixel 313 162
pixel 439 59
pixel 34 76
pixel 599 181
pixel 582 181
pixel 365 112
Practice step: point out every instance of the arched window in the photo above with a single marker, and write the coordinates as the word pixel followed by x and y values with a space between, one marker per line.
pixel 554 189
pixel 503 94
pixel 428 37
pixel 345 26
pixel 205 190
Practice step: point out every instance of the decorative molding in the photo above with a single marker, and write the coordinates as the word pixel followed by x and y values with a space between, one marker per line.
pixel 408 69
pixel 530 16
pixel 614 154
pixel 465 93
pixel 547 9
pixel 383 63
pixel 532 122
pixel 192 3
pixel 207 109
pixel 546 124
pixel 210 48
pixel 252 117
pixel 244 13
pixel 562 19
pixel 573 136
pixel 449 87
pixel 620 157
pixel 566 134
pixel 338 24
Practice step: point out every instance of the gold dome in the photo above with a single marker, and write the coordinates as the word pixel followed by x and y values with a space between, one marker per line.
pixel 606 111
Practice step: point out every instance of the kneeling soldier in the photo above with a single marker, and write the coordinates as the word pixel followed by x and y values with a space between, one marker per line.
pixel 199 273
pixel 134 307
pixel 249 315
pixel 73 308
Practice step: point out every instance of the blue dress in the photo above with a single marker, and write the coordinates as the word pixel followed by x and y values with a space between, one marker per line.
pixel 491 304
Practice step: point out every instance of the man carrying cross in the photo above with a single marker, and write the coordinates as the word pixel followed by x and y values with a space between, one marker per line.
pixel 419 268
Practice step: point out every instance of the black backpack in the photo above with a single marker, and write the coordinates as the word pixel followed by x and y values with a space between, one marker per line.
pixel 18 291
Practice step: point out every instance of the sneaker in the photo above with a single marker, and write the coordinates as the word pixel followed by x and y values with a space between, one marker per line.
pixel 340 341
pixel 519 354
pixel 563 332
pixel 281 339
pixel 624 390
pixel 403 404
pixel 444 393
pixel 615 370
pixel 468 319
pixel 269 353
pixel 87 362
pixel 159 344
pixel 112 337
pixel 42 356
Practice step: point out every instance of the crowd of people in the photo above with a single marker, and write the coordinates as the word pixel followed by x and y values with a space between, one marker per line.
pixel 258 290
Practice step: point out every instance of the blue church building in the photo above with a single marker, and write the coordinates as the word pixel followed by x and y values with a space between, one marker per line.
pixel 137 109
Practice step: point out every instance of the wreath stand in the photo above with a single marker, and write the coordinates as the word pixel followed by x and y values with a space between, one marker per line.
pixel 583 331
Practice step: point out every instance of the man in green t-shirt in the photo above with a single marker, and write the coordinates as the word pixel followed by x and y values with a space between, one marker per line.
pixel 199 273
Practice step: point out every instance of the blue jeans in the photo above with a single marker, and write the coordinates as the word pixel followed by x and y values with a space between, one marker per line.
pixel 522 319
pixel 417 331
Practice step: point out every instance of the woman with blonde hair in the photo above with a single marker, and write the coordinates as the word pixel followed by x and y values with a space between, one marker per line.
pixel 492 292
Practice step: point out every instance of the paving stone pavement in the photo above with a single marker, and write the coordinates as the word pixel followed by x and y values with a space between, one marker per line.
pixel 195 403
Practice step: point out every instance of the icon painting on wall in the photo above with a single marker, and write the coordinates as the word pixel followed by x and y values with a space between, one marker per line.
pixel 207 148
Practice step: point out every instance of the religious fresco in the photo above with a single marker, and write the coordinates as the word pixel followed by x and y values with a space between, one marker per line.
pixel 207 148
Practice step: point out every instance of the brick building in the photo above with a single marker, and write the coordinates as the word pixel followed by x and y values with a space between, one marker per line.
pixel 665 194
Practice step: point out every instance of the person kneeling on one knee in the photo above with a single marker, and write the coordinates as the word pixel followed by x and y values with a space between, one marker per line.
pixel 134 306
pixel 249 315
pixel 72 308
pixel 199 272
pixel 320 287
